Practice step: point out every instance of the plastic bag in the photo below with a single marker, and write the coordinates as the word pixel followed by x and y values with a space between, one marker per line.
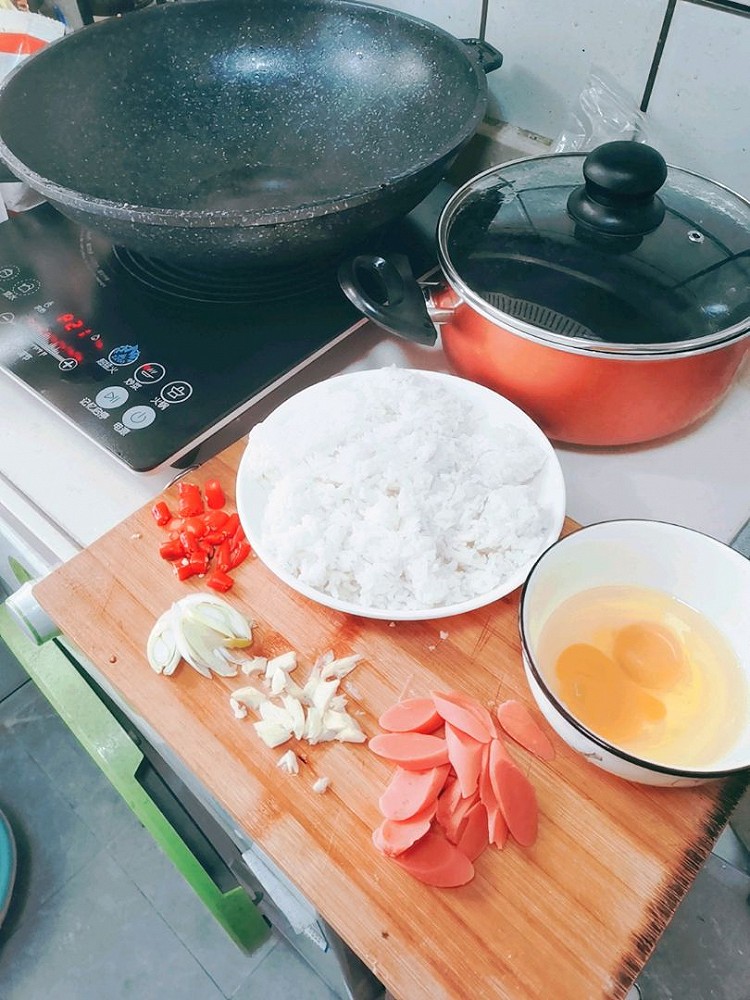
pixel 21 35
pixel 605 111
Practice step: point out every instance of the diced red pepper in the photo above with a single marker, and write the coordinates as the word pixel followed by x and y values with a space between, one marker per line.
pixel 195 526
pixel 193 567
pixel 240 553
pixel 214 537
pixel 172 550
pixel 202 537
pixel 161 513
pixel 237 537
pixel 219 581
pixel 214 494
pixel 189 542
pixel 224 556
pixel 190 501
pixel 231 525
pixel 215 519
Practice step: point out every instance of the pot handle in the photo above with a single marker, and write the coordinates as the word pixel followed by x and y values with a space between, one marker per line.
pixel 486 55
pixel 386 291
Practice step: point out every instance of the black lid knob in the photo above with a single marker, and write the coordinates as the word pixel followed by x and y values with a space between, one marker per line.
pixel 619 196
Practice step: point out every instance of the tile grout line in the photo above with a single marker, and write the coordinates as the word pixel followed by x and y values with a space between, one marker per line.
pixel 162 918
pixel 45 900
pixel 177 933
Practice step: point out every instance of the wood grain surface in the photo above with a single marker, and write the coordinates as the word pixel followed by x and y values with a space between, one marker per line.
pixel 574 917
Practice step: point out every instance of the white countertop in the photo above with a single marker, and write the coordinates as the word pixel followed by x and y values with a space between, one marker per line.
pixel 699 478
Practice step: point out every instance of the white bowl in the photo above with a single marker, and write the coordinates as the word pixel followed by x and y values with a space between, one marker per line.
pixel 703 573
pixel 252 492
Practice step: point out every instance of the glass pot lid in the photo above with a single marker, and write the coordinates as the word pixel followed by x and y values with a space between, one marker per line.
pixel 581 251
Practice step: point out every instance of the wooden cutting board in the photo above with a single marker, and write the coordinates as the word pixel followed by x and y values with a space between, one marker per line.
pixel 574 917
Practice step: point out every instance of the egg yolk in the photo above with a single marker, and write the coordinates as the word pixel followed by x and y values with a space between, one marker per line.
pixel 650 655
pixel 601 694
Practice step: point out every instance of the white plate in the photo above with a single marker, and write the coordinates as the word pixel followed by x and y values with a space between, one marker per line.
pixel 252 493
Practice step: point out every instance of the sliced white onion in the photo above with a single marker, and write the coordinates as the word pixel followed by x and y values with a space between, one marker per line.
pixel 198 646
pixel 203 630
pixel 321 785
pixel 219 615
pixel 161 649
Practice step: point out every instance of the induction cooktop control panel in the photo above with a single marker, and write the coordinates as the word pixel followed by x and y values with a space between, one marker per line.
pixel 143 373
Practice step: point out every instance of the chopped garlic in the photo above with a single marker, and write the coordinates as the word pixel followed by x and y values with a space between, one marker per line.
pixel 278 681
pixel 272 734
pixel 351 735
pixel 296 714
pixel 340 668
pixel 256 664
pixel 240 712
pixel 324 691
pixel 249 696
pixel 321 785
pixel 288 762
pixel 322 661
pixel 349 731
pixel 311 686
pixel 444 635
pixel 336 720
pixel 275 713
pixel 292 689
pixel 285 662
pixel 313 726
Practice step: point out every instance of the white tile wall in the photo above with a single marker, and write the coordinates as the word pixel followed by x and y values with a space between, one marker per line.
pixel 551 45
pixel 699 113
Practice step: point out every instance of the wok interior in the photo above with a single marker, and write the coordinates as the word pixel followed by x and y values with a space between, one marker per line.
pixel 226 105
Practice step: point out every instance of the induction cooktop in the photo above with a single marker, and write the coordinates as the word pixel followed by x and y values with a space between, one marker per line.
pixel 150 358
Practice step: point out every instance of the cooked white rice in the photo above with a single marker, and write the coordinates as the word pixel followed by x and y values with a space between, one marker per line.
pixel 396 495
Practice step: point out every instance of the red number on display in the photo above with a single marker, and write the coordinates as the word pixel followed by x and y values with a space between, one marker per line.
pixel 72 323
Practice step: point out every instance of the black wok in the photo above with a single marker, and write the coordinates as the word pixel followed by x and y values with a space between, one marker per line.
pixel 242 131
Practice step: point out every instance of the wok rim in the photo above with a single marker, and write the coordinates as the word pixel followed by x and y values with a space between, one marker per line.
pixel 192 218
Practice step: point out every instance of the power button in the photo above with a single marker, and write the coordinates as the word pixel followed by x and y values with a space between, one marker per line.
pixel 138 417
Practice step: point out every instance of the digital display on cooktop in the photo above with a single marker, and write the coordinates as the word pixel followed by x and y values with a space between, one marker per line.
pixel 148 358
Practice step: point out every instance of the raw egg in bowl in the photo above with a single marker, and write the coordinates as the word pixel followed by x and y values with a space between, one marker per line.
pixel 636 646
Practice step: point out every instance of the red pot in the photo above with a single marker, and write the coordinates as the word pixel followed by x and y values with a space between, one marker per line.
pixel 585 398
pixel 610 314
